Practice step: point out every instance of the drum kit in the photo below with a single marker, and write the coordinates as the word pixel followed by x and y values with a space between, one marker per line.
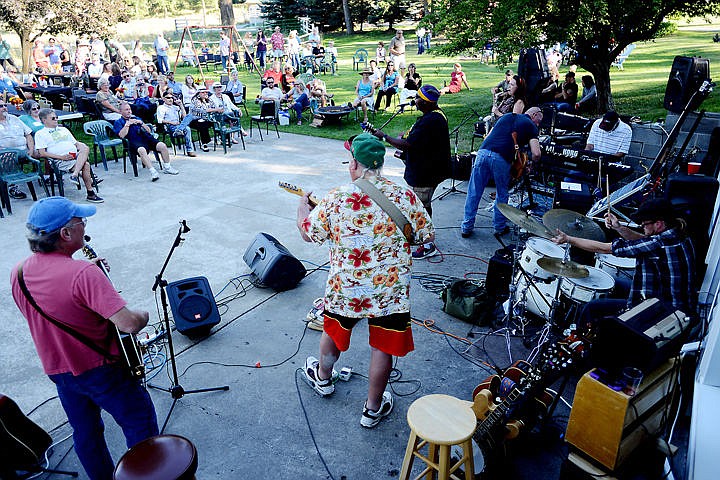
pixel 546 283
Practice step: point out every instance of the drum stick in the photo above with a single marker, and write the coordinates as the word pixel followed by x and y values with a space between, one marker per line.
pixel 607 189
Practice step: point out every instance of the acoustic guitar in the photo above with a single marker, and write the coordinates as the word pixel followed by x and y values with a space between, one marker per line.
pixel 289 187
pixel 22 442
pixel 129 346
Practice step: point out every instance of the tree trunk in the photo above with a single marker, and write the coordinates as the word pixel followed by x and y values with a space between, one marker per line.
pixel 26 48
pixel 227 15
pixel 601 73
pixel 348 18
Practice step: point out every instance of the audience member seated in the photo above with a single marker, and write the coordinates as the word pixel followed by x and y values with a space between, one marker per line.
pixel 227 107
pixel 388 85
pixel 202 109
pixel 31 118
pixel 175 86
pixel 57 144
pixel 161 87
pixel 188 90
pixel 566 98
pixel 108 102
pixel 300 98
pixel 143 107
pixel 115 78
pixel 457 80
pixel 513 101
pixel 271 92
pixel 171 114
pixel 95 69
pixel 274 72
pixel 127 86
pixel 16 135
pixel 234 88
pixel 318 90
pixel 288 79
pixel 588 100
pixel 413 82
pixel 188 54
pixel 7 84
pixel 364 91
pixel 333 51
pixel 141 141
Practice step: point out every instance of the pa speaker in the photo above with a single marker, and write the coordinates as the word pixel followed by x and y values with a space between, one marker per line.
pixel 193 306
pixel 273 264
pixel 686 76
pixel 533 68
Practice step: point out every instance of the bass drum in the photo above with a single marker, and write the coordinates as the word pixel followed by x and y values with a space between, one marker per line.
pixel 597 284
pixel 462 165
pixel 538 296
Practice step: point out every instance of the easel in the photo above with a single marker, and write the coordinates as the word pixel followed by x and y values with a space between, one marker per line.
pixel 233 34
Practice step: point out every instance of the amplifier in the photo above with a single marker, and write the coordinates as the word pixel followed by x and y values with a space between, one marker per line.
pixel 643 337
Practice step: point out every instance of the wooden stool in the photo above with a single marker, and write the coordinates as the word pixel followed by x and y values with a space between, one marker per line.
pixel 440 421
pixel 166 457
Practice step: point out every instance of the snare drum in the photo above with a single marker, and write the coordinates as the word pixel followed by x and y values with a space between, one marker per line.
pixel 582 290
pixel 620 268
pixel 538 297
pixel 535 249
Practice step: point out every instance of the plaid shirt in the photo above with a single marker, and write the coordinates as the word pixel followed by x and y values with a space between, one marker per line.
pixel 664 269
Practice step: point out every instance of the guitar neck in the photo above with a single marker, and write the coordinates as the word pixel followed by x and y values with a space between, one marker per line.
pixel 295 190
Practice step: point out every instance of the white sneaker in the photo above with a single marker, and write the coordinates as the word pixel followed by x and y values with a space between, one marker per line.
pixel 369 418
pixel 154 175
pixel 170 170
pixel 322 387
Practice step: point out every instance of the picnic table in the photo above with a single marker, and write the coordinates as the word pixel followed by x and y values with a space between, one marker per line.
pixel 56 95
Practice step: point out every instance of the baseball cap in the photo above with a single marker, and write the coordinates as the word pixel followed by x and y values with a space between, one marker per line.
pixel 49 214
pixel 609 121
pixel 366 149
pixel 429 93
pixel 654 209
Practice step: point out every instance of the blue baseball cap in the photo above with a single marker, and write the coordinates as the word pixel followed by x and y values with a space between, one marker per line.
pixel 49 214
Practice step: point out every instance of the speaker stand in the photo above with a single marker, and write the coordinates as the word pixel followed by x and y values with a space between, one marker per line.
pixel 175 390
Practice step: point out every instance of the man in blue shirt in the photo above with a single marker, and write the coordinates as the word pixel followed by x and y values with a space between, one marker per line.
pixel 494 159
pixel 174 86
pixel 142 141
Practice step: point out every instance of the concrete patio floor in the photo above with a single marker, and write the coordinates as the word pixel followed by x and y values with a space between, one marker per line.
pixel 264 426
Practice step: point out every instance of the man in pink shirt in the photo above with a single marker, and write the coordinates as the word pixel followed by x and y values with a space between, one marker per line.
pixel 77 294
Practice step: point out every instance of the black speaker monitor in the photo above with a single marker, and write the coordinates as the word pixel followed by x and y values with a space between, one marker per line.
pixel 273 264
pixel 686 76
pixel 193 306
pixel 533 68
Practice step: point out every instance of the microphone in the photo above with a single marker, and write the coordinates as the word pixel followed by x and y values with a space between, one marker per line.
pixel 411 103
pixel 87 238
pixel 185 228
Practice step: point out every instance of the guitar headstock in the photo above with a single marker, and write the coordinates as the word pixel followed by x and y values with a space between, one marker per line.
pixel 89 253
pixel 562 354
pixel 369 127
pixel 294 189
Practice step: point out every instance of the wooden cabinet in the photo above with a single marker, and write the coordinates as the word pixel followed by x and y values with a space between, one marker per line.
pixel 607 425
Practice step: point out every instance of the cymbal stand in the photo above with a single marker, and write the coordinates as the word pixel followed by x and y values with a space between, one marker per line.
pixel 175 390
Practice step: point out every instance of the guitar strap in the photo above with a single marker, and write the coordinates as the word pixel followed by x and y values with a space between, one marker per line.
pixel 388 207
pixel 65 328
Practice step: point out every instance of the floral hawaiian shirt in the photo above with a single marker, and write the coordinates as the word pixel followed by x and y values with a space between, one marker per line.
pixel 369 256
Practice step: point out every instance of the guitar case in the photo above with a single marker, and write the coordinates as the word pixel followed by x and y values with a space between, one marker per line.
pixel 22 442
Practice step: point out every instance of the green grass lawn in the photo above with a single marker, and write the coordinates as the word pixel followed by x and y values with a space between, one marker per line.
pixel 639 89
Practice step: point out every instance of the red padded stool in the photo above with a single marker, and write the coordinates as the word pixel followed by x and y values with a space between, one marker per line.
pixel 164 457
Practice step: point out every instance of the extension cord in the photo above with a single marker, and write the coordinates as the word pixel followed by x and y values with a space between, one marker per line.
pixel 151 338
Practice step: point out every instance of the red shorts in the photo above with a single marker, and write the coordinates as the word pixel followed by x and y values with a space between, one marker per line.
pixel 390 334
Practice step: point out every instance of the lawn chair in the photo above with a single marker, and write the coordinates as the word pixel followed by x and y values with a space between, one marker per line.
pixel 12 171
pixel 360 57
pixel 305 78
pixel 267 116
pixel 224 126
pixel 98 129
pixel 623 56
pixel 328 62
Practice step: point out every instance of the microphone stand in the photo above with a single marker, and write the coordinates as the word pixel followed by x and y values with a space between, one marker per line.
pixel 175 390
pixel 456 132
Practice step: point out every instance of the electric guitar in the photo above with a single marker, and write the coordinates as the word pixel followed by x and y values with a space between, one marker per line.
pixel 129 346
pixel 289 187
pixel 22 442
pixel 370 128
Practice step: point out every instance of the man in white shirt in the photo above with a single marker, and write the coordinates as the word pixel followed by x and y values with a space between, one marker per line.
pixel 161 50
pixel 610 136
pixel 172 116
pixel 95 69
pixel 397 51
pixel 57 144
pixel 230 110
pixel 18 136
pixel 271 92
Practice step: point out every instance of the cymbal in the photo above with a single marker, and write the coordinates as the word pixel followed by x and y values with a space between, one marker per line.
pixel 573 223
pixel 567 268
pixel 524 221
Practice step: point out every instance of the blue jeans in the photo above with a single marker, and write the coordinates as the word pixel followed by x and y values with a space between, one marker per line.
pixel 108 388
pixel 487 164
pixel 261 58
pixel 185 129
pixel 163 66
pixel 224 59
pixel 300 103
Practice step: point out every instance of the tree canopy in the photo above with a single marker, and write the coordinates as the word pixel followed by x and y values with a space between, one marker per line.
pixel 597 29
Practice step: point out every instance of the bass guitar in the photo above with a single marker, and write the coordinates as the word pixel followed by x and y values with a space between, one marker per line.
pixel 22 442
pixel 289 187
pixel 129 347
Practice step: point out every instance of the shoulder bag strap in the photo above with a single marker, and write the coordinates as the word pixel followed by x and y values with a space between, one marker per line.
pixel 388 207
pixel 70 331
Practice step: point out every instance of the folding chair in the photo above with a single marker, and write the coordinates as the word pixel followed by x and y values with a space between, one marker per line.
pixel 267 116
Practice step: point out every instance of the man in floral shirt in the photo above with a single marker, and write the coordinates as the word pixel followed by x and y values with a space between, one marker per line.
pixel 369 274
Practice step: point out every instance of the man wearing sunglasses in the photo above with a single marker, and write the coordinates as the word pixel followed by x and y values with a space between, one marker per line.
pixel 58 145
pixel 77 294
pixel 14 134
